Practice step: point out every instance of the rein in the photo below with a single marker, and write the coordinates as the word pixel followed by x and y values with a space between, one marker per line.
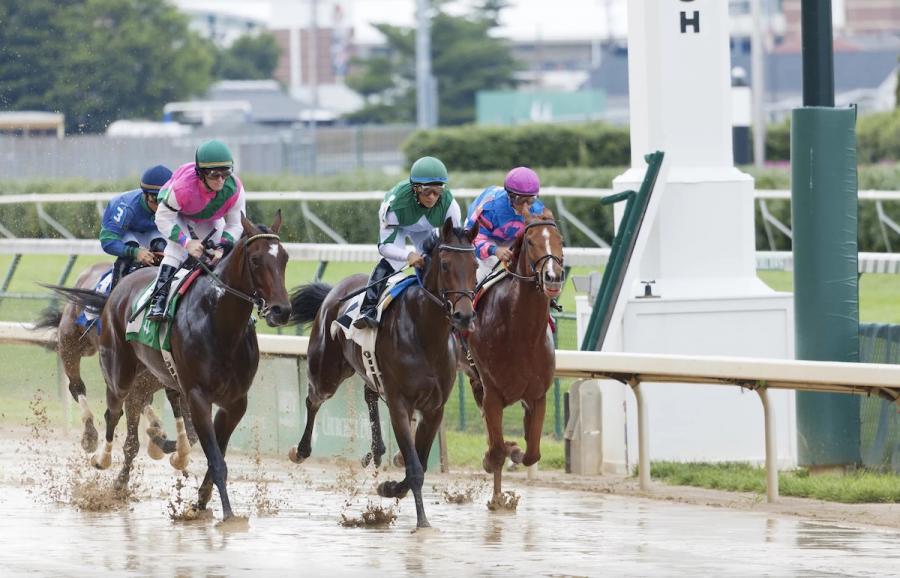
pixel 443 302
pixel 537 267
pixel 254 299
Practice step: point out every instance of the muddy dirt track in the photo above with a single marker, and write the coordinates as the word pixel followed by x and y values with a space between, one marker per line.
pixel 311 520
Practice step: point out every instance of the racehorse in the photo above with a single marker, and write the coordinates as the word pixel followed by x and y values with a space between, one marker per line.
pixel 417 362
pixel 213 346
pixel 73 342
pixel 513 353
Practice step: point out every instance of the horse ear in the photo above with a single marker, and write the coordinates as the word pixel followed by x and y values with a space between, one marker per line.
pixel 247 225
pixel 471 233
pixel 276 224
pixel 447 229
pixel 547 215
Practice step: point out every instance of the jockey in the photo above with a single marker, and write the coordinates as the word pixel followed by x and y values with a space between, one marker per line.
pixel 128 231
pixel 499 213
pixel 413 208
pixel 206 196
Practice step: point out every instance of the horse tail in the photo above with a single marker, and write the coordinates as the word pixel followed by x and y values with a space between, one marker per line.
pixel 306 301
pixel 80 297
pixel 49 318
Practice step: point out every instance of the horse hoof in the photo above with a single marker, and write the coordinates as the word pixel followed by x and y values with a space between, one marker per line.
pixel 516 455
pixel 102 462
pixel 398 460
pixel 179 461
pixel 89 437
pixel 387 489
pixel 154 451
pixel 295 456
pixel 366 460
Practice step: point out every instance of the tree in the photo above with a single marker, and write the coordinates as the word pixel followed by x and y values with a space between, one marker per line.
pixel 249 58
pixel 99 60
pixel 464 60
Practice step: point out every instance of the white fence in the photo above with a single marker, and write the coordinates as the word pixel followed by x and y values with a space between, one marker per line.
pixel 634 369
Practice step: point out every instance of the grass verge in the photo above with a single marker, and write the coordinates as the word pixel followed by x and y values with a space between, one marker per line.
pixel 857 487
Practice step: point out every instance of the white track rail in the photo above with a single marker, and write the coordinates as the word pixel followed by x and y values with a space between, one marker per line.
pixel 633 369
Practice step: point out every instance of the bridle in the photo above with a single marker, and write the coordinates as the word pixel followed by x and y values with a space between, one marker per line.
pixel 538 266
pixel 254 297
pixel 444 301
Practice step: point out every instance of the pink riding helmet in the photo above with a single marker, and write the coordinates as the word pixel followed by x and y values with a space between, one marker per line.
pixel 522 181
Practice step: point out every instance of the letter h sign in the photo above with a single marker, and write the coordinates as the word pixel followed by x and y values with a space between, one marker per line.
pixel 693 20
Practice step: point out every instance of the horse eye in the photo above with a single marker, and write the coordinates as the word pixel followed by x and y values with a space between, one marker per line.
pixel 444 267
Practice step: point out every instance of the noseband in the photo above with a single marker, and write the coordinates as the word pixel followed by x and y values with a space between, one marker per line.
pixel 443 301
pixel 254 297
pixel 537 267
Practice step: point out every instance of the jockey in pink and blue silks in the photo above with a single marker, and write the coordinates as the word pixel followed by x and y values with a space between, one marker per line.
pixel 207 196
pixel 499 213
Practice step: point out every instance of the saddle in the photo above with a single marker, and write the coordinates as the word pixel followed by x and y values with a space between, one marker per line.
pixel 156 334
pixel 365 338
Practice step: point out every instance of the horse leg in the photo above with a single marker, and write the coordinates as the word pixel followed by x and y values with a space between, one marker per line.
pixel 225 422
pixel 102 459
pixel 378 448
pixel 133 404
pixel 495 456
pixel 182 455
pixel 71 360
pixel 415 474
pixel 158 445
pixel 217 472
pixel 534 424
pixel 426 430
pixel 314 400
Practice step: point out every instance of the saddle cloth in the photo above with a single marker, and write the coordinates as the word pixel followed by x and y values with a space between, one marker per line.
pixel 365 338
pixel 156 334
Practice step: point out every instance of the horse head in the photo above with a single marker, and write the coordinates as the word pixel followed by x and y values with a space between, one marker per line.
pixel 264 261
pixel 450 272
pixel 539 253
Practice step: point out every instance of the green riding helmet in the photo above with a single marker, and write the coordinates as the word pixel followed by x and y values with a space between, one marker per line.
pixel 213 154
pixel 428 170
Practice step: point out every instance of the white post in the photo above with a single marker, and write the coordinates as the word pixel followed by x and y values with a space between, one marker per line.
pixel 771 448
pixel 424 83
pixel 643 437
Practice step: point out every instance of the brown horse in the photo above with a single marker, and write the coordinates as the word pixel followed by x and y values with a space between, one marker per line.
pixel 512 348
pixel 417 362
pixel 213 344
pixel 74 342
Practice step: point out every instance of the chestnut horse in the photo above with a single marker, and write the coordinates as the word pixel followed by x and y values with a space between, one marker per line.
pixel 417 362
pixel 512 348
pixel 213 344
pixel 73 342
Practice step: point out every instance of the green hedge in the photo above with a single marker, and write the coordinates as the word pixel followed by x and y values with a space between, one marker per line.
pixel 475 148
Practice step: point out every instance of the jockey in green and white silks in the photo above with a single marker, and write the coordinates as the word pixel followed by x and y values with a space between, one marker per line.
pixel 207 196
pixel 413 209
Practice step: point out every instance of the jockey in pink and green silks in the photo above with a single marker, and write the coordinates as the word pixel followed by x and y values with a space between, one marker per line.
pixel 206 195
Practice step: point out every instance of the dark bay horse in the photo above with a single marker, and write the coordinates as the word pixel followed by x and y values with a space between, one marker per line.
pixel 74 342
pixel 512 348
pixel 416 358
pixel 214 348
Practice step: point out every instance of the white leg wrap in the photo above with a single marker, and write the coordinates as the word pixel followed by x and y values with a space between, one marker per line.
pixel 181 457
pixel 103 458
pixel 86 414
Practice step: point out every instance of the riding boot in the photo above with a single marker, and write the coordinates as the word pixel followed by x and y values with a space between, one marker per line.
pixel 161 293
pixel 368 312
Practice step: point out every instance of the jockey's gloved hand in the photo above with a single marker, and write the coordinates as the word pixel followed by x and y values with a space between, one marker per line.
pixel 226 246
pixel 145 257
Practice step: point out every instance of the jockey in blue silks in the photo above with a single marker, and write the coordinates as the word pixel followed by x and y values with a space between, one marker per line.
pixel 128 230
pixel 499 213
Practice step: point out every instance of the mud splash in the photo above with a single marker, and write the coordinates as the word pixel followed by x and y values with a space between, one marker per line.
pixel 461 492
pixel 264 503
pixel 504 501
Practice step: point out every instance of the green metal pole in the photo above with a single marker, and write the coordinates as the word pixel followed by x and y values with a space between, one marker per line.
pixel 825 230
pixel 818 53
